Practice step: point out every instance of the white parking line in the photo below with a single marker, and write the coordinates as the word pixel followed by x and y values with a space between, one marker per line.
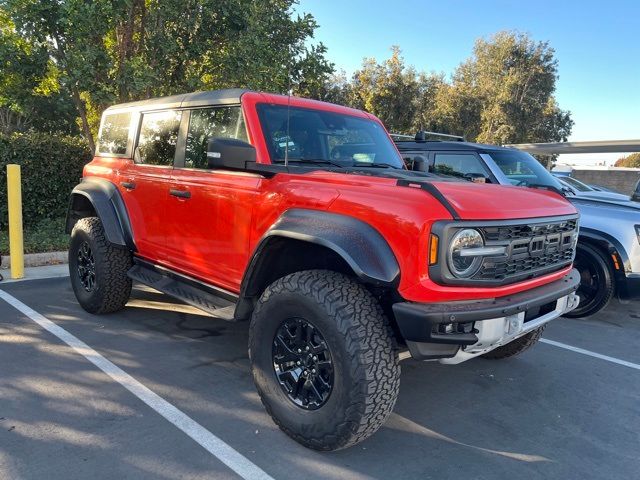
pixel 591 354
pixel 207 440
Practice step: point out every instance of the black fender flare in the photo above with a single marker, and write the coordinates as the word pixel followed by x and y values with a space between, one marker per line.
pixel 108 205
pixel 612 245
pixel 360 245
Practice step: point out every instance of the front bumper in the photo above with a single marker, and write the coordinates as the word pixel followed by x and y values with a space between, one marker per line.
pixel 457 331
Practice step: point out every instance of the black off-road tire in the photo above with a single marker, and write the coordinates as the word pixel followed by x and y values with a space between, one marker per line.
pixel 112 286
pixel 516 347
pixel 597 284
pixel 362 347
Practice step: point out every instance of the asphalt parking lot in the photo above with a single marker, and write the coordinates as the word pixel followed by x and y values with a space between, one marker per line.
pixel 550 413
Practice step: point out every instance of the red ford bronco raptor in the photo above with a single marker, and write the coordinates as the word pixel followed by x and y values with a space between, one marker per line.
pixel 301 217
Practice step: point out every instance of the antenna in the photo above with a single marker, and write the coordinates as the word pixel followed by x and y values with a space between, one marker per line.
pixel 286 145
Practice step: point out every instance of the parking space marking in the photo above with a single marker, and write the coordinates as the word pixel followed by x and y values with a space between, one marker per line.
pixel 207 440
pixel 591 354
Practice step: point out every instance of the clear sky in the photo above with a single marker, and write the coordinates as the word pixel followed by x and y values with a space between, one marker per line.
pixel 597 44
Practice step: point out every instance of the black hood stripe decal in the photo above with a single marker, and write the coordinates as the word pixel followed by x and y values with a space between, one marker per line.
pixel 433 190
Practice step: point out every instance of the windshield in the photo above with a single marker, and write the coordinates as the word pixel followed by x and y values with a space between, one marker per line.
pixel 522 169
pixel 326 137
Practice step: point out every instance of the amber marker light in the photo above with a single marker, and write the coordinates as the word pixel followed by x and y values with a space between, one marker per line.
pixel 433 250
pixel 616 264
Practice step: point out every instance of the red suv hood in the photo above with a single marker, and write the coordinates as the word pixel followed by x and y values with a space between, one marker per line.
pixel 499 202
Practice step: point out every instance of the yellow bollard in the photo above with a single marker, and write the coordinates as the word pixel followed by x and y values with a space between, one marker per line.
pixel 16 242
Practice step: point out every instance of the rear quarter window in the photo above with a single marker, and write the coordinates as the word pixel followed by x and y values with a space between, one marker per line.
pixel 113 138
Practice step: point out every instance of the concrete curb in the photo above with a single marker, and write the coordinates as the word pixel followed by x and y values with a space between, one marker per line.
pixel 40 259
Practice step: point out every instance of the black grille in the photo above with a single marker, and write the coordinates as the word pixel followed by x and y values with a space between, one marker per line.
pixel 499 270
pixel 531 248
pixel 513 232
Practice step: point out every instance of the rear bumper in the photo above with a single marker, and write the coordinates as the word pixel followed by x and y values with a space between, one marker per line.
pixel 457 331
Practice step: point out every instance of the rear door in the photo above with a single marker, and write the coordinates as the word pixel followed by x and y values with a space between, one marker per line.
pixel 211 210
pixel 146 182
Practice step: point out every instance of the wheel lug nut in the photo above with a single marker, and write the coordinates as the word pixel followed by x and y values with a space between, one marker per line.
pixel 313 370
pixel 315 358
pixel 299 351
pixel 298 362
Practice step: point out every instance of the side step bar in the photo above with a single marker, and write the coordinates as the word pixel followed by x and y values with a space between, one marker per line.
pixel 219 303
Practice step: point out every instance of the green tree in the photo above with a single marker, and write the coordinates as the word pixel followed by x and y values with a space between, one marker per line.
pixel 29 90
pixel 389 90
pixel 504 93
pixel 108 51
pixel 630 161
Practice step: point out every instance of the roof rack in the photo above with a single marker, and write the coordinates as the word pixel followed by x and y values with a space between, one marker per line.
pixel 421 136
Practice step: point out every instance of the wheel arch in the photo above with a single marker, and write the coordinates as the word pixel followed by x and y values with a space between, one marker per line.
pixel 101 198
pixel 608 246
pixel 310 239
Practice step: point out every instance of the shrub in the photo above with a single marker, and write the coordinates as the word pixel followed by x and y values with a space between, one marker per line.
pixel 51 166
pixel 46 235
pixel 631 161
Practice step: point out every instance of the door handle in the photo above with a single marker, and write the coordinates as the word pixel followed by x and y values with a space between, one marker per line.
pixel 180 193
pixel 128 185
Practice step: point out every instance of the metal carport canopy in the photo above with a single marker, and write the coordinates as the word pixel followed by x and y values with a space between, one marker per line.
pixel 601 146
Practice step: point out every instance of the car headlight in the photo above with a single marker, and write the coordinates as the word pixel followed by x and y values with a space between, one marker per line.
pixel 638 232
pixel 462 260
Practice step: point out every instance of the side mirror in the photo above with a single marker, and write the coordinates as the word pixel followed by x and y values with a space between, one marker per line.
pixel 229 153
pixel 420 164
pixel 417 163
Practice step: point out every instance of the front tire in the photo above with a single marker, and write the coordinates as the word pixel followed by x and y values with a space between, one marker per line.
pixel 596 282
pixel 98 269
pixel 320 331
pixel 517 346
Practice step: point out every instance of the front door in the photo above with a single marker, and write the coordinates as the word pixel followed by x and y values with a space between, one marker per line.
pixel 145 183
pixel 211 209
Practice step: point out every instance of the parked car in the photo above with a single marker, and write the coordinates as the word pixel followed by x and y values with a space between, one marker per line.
pixel 583 190
pixel 300 217
pixel 608 254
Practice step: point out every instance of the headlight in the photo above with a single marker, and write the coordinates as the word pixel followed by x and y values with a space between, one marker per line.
pixel 638 232
pixel 462 262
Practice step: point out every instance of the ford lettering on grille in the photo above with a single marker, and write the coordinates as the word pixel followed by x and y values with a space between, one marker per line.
pixel 530 249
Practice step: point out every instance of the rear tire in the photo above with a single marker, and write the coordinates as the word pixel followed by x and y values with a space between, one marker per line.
pixel 596 281
pixel 359 369
pixel 98 269
pixel 517 346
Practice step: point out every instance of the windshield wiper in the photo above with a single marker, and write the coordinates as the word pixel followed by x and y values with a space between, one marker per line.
pixel 316 160
pixel 376 164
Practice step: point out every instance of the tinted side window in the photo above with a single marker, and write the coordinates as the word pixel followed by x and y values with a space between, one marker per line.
pixel 158 137
pixel 114 133
pixel 211 122
pixel 458 164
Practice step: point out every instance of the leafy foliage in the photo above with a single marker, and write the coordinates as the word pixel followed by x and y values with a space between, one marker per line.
pixel 30 95
pixel 112 51
pixel 504 93
pixel 51 167
pixel 46 235
pixel 630 161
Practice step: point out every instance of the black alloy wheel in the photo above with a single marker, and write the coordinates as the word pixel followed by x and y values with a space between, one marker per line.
pixel 302 363
pixel 98 269
pixel 596 281
pixel 86 267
